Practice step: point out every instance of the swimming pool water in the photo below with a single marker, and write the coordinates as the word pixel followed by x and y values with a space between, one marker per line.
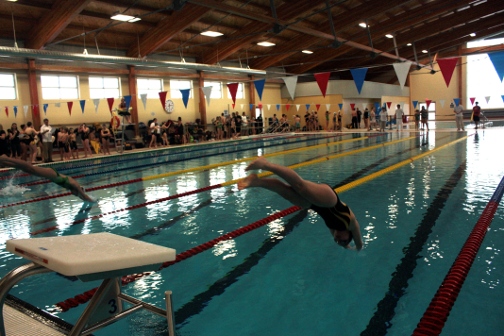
pixel 288 277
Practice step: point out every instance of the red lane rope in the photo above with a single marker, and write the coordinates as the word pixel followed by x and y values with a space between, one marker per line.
pixel 86 296
pixel 435 316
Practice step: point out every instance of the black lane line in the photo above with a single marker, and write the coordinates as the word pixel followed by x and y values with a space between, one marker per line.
pixel 385 309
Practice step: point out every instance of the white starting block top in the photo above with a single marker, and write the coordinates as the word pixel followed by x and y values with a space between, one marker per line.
pixel 92 256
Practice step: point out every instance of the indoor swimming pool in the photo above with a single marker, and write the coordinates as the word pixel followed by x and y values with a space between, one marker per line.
pixel 417 197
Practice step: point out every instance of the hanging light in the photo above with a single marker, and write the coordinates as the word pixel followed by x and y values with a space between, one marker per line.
pixel 211 33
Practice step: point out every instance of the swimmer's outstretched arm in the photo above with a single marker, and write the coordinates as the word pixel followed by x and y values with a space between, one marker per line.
pixel 47 173
pixel 355 229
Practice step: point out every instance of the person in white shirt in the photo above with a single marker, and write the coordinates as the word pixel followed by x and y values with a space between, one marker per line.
pixel 459 117
pixel 154 130
pixel 47 141
pixel 383 119
pixel 399 113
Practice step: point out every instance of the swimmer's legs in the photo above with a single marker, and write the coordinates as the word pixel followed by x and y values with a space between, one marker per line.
pixel 27 167
pixel 313 193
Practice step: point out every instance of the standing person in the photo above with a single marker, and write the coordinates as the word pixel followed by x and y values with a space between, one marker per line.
pixel 476 114
pixel 327 120
pixel 417 119
pixel 339 121
pixel 459 117
pixel 153 127
pixel 383 119
pixel 259 124
pixel 359 117
pixel 372 116
pixel 84 133
pixel 335 121
pixel 424 114
pixel 73 143
pixel 105 138
pixel 245 124
pixel 47 141
pixel 64 144
pixel 320 198
pixel 399 114
pixel 32 134
pixel 15 141
pixel 52 175
pixel 366 119
pixel 3 142
pixel 354 119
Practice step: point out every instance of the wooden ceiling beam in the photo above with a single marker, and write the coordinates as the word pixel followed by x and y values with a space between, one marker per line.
pixel 51 25
pixel 166 29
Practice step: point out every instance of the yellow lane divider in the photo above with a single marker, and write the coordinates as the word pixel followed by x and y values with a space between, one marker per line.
pixel 220 164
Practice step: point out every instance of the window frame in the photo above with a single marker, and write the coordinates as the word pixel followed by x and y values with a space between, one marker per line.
pixel 150 92
pixel 175 92
pixel 14 87
pixel 213 85
pixel 59 87
pixel 104 89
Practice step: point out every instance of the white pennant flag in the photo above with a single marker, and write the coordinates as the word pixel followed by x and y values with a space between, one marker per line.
pixel 297 107
pixel 402 70
pixel 57 104
pixel 487 98
pixel 442 101
pixel 290 83
pixel 241 106
pixel 25 110
pixel 268 105
pixel 327 106
pixel 96 102
pixel 207 90
pixel 143 98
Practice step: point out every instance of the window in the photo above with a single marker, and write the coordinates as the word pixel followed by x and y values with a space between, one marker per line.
pixel 239 92
pixel 104 87
pixel 216 92
pixel 59 87
pixel 177 85
pixel 7 87
pixel 482 79
pixel 150 86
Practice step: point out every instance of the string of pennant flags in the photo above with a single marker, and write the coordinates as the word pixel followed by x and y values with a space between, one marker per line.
pixel 446 66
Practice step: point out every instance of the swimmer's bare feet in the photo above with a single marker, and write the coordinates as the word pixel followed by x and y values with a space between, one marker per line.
pixel 259 163
pixel 248 182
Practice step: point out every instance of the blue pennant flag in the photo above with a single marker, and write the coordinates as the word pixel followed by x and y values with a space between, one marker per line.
pixel 259 85
pixel 340 106
pixel 497 59
pixel 15 111
pixel 82 104
pixel 185 96
pixel 252 106
pixel 127 101
pixel 359 75
pixel 307 107
pixel 45 108
pixel 456 101
pixel 415 103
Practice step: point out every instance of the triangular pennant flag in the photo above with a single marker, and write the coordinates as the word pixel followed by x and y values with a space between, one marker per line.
pixel 456 101
pixel 25 110
pixel 233 88
pixel 252 107
pixel 442 101
pixel 278 107
pixel 415 103
pixel 96 102
pixel 340 106
pixel 259 85
pixel 6 111
pixel 287 106
pixel 185 96
pixel 322 80
pixel 497 59
pixel 389 104
pixel 162 98
pixel 15 111
pixel 45 106
pixel 502 98
pixel 207 92
pixel 402 69
pixel 82 104
pixel 290 83
pixel 110 102
pixel 127 100
pixel 69 105
pixel 352 106
pixel 472 99
pixel 241 106
pixel 57 105
pixel 233 105
pixel 143 98
pixel 307 107
pixel 268 106
pixel 376 106
pixel 358 76
pixel 447 66
pixel 317 106
pixel 327 106
pixel 297 107
pixel 259 105
pixel 487 98
pixel 428 101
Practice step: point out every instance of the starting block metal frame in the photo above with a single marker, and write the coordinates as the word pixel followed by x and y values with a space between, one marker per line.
pixel 122 256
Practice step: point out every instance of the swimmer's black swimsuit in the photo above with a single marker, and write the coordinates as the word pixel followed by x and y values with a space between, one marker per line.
pixel 62 181
pixel 336 217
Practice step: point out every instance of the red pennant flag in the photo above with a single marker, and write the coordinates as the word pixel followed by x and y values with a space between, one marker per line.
pixel 428 101
pixel 70 104
pixel 35 109
pixel 322 80
pixel 110 102
pixel 233 88
pixel 447 66
pixel 287 107
pixel 233 105
pixel 162 97
pixel 260 106
pixel 317 106
pixel 352 106
pixel 472 99
pixel 7 111
pixel 389 104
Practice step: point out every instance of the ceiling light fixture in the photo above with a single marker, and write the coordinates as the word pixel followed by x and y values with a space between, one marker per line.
pixel 425 51
pixel 472 34
pixel 266 44
pixel 363 25
pixel 211 33
pixel 409 44
pixel 125 18
pixel 307 52
pixel 389 36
